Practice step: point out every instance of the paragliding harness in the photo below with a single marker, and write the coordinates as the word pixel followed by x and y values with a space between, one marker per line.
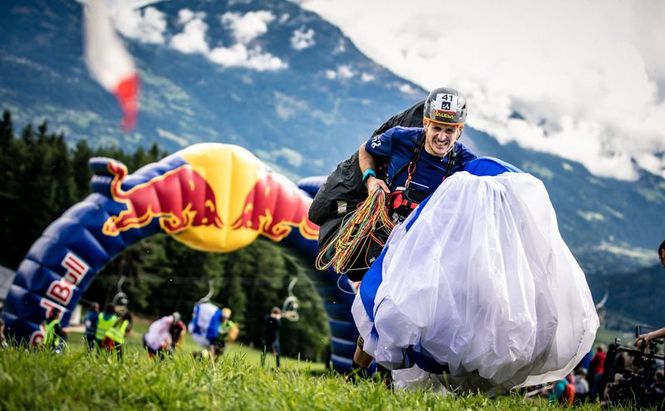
pixel 404 200
pixel 344 190
pixel 345 183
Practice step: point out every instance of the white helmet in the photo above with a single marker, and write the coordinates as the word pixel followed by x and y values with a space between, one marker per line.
pixel 445 105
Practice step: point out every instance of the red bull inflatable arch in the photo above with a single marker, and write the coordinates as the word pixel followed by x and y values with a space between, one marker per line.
pixel 211 197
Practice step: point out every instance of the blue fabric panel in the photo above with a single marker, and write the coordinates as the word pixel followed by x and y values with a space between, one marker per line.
pixel 343 329
pixel 489 166
pixel 344 348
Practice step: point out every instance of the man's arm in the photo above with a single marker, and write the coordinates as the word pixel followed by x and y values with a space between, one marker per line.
pixel 366 162
pixel 645 338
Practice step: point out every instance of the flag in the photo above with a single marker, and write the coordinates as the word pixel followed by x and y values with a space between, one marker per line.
pixel 109 62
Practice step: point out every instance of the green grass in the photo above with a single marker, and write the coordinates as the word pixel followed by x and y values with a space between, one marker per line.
pixel 140 326
pixel 78 380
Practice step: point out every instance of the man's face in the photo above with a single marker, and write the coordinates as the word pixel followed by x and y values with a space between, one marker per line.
pixel 662 257
pixel 440 138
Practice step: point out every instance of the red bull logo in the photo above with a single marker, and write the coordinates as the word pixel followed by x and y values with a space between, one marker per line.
pixel 274 210
pixel 180 198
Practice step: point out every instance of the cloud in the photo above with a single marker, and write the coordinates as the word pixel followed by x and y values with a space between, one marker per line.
pixel 193 37
pixel 246 27
pixel 342 72
pixel 366 77
pixel 585 77
pixel 146 25
pixel 187 15
pixel 239 56
pixel 302 39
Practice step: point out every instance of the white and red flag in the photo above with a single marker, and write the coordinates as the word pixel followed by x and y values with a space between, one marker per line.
pixel 108 60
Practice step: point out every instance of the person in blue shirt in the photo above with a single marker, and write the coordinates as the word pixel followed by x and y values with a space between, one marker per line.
pixel 90 322
pixel 416 160
pixel 409 164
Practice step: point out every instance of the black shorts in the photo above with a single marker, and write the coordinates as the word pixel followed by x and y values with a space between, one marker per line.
pixel 219 342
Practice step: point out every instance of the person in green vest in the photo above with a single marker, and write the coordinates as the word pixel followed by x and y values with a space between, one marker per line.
pixel 115 336
pixel 228 332
pixel 54 335
pixel 106 320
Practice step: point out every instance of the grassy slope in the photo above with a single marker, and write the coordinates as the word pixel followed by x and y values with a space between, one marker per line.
pixel 239 380
pixel 78 380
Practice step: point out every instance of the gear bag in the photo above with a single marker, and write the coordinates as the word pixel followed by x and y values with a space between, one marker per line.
pixel 338 196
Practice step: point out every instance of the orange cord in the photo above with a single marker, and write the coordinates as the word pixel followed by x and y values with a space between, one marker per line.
pixel 357 231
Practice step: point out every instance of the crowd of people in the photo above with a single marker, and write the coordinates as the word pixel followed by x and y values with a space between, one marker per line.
pixel 592 380
pixel 581 385
pixel 108 330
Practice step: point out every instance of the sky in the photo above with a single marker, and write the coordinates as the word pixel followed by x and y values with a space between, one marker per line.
pixel 586 78
pixel 581 79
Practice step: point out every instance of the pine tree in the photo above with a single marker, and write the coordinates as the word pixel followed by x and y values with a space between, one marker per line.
pixel 40 178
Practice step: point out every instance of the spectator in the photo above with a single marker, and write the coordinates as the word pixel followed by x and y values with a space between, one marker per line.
pixel 54 335
pixel 586 361
pixel 90 322
pixel 115 336
pixel 563 391
pixel 228 332
pixel 643 340
pixel 581 385
pixel 178 331
pixel 597 370
pixel 159 340
pixel 105 321
pixel 272 324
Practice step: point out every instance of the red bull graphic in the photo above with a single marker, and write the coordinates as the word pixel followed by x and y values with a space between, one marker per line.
pixel 181 198
pixel 273 209
pixel 211 197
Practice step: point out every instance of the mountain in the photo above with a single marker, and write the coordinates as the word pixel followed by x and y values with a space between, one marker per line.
pixel 298 118
pixel 301 97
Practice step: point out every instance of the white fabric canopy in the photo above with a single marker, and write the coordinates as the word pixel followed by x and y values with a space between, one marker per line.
pixel 481 280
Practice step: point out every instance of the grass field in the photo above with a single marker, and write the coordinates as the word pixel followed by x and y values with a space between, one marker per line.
pixel 239 380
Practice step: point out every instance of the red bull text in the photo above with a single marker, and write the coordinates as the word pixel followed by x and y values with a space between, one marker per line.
pixel 60 291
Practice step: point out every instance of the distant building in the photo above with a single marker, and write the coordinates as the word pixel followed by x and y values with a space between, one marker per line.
pixel 6 280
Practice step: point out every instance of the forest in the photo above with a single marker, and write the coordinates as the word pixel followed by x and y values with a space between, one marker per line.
pixel 42 174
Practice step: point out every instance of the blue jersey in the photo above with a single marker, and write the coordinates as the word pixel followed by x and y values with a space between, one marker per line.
pixel 396 146
pixel 90 322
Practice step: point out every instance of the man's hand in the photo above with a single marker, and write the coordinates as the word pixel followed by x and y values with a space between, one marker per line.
pixel 641 342
pixel 374 184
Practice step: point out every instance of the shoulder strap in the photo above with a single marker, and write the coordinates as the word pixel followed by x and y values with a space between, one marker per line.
pixel 420 142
